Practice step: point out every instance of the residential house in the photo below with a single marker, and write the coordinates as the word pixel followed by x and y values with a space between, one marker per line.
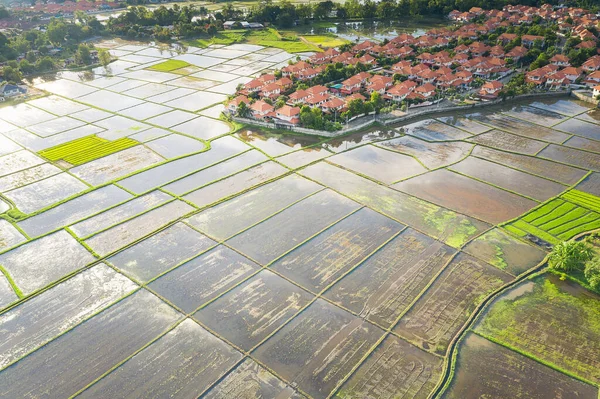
pixel 529 40
pixel 334 104
pixel 592 64
pixel 593 79
pixel 288 114
pixel 572 73
pixel 560 60
pixel 262 110
pixel 232 106
pixel 596 91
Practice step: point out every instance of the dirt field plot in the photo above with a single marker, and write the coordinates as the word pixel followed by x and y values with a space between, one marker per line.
pixel 116 165
pixel 38 195
pixel 590 184
pixel 226 219
pixel 38 263
pixel 432 130
pixel 446 225
pixel 318 348
pixel 175 145
pixel 67 88
pixel 126 233
pixel 203 128
pixel 249 381
pixel 535 115
pixel 216 172
pixel 580 128
pixel 571 156
pixel 7 146
pixel 440 313
pixel 465 124
pixel 325 258
pixel 432 155
pixel 55 126
pixel 379 164
pixel 251 312
pixel 74 360
pixel 23 115
pixel 522 128
pixel 568 107
pixel 538 319
pixel 167 367
pixel 582 143
pixel 513 180
pixel 204 278
pixel 27 176
pixel 110 101
pixel 9 235
pixel 76 209
pixel 277 235
pixel 7 293
pixel 220 150
pixel 236 183
pixel 508 142
pixel 486 369
pixel 505 252
pixel 18 161
pixel 303 157
pixel 590 116
pixel 395 369
pixel 35 322
pixel 120 213
pixel 383 286
pixel 551 170
pixel 58 105
pixel 161 252
pixel 467 196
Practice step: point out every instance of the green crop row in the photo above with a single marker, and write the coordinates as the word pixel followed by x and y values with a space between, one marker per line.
pixel 543 210
pixel 557 212
pixel 63 150
pixel 574 214
pixel 580 229
pixel 528 228
pixel 100 151
pixel 589 201
pixel 515 230
pixel 590 217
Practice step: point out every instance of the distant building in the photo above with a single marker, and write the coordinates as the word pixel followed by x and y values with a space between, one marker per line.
pixel 242 24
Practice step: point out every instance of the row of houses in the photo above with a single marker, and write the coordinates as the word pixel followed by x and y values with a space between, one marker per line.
pixel 560 74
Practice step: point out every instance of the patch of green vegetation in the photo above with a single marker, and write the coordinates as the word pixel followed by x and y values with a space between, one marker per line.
pixel 327 41
pixel 528 228
pixel 584 199
pixel 286 41
pixel 12 283
pixel 542 210
pixel 86 149
pixel 60 151
pixel 168 66
pixel 554 322
pixel 452 233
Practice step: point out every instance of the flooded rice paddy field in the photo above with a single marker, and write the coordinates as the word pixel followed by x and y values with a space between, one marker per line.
pixel 199 261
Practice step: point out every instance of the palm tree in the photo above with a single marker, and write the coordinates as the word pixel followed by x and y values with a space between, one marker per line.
pixel 569 255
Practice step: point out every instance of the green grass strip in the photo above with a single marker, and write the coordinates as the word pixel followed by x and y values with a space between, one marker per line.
pixel 590 217
pixel 168 66
pixel 100 151
pixel 557 212
pixel 543 210
pixel 576 213
pixel 12 283
pixel 580 229
pixel 60 151
pixel 515 230
pixel 584 199
pixel 536 232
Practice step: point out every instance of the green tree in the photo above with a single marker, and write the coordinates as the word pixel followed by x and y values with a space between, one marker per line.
pixel 243 110
pixel 569 255
pixel 44 64
pixel 57 30
pixel 83 54
pixel 592 273
pixel 104 57
pixel 11 74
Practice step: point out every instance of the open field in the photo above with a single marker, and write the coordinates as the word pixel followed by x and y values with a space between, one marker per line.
pixel 149 248
pixel 554 307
